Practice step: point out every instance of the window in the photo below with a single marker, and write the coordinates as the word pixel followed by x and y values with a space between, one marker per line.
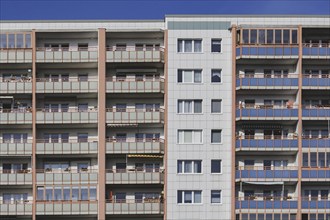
pixel 189 106
pixel 216 45
pixel 216 105
pixel 120 47
pixel 82 137
pixel 189 45
pixel 215 196
pixel 83 47
pixel 189 196
pixel 83 77
pixel 83 107
pixel 216 75
pixel 189 136
pixel 189 76
pixel 216 166
pixel 216 136
pixel 189 166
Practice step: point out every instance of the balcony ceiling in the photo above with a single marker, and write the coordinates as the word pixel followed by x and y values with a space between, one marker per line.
pixel 67 35
pixel 136 35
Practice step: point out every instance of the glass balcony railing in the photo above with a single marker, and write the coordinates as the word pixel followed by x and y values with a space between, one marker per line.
pixel 315 203
pixel 267 83
pixel 16 116
pixel 316 50
pixel 316 112
pixel 15 208
pixel 16 177
pixel 133 54
pixel 276 144
pixel 315 174
pixel 70 207
pixel 134 145
pixel 16 85
pixel 274 203
pixel 46 85
pixel 16 55
pixel 266 173
pixel 267 51
pixel 133 207
pixel 135 85
pixel 16 148
pixel 134 176
pixel 63 55
pixel 69 115
pixel 266 112
pixel 72 146
pixel 134 116
pixel 310 82
pixel 67 176
pixel 316 142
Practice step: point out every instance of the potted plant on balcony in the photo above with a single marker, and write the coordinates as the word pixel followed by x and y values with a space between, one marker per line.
pixel 48 169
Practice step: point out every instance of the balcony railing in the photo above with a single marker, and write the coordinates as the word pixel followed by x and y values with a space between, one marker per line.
pixel 310 82
pixel 133 145
pixel 266 112
pixel 315 174
pixel 66 207
pixel 16 208
pixel 316 112
pixel 16 85
pixel 72 146
pixel 273 203
pixel 16 177
pixel 46 85
pixel 135 86
pixel 58 55
pixel 278 143
pixel 315 203
pixel 267 83
pixel 70 115
pixel 16 55
pixel 134 176
pixel 267 51
pixel 16 116
pixel 316 50
pixel 316 142
pixel 134 116
pixel 16 148
pixel 67 176
pixel 132 207
pixel 266 173
pixel 132 54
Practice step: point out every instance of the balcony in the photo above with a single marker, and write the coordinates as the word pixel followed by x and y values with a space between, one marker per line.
pixel 267 83
pixel 134 176
pixel 316 51
pixel 318 112
pixel 67 147
pixel 17 177
pixel 133 54
pixel 66 207
pixel 267 51
pixel 129 146
pixel 257 204
pixel 310 82
pixel 315 174
pixel 277 144
pixel 15 208
pixel 67 176
pixel 16 116
pixel 316 142
pixel 266 112
pixel 266 173
pixel 135 86
pixel 16 85
pixel 58 55
pixel 68 86
pixel 315 203
pixel 16 55
pixel 71 115
pixel 19 148
pixel 134 116
pixel 134 207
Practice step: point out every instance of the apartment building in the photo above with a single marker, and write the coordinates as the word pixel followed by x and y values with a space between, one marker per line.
pixel 191 117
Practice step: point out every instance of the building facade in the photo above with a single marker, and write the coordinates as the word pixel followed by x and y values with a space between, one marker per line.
pixel 191 117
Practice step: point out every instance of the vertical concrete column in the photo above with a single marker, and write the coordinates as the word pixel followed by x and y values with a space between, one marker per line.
pixel 233 119
pixel 101 121
pixel 299 157
pixel 166 118
pixel 34 128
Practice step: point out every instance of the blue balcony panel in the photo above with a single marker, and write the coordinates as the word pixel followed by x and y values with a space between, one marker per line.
pixel 316 51
pixel 316 113
pixel 323 204
pixel 269 82
pixel 266 204
pixel 316 173
pixel 282 113
pixel 267 174
pixel 267 51
pixel 268 144
pixel 316 143
pixel 316 82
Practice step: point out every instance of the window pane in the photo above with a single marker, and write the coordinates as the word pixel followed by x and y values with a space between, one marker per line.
pixel 262 37
pixel 180 162
pixel 197 106
pixel 197 76
pixel 11 40
pixel 253 37
pixel 198 46
pixel 19 41
pixel 188 46
pixel 278 36
pixel 245 36
pixel 179 75
pixel 187 196
pixel 188 76
pixel 49 194
pixel 57 193
pixel 197 197
pixel 216 46
pixel 188 166
pixel 216 136
pixel 179 196
pixel 187 106
pixel 27 40
pixel 197 166
pixel 270 36
pixel 180 45
pixel 215 196
pixel 187 136
pixel 216 76
pixel 180 106
pixel 3 41
pixel 40 193
pixel 216 106
pixel 294 39
pixel 66 193
pixel 215 166
pixel 197 137
pixel 305 159
pixel 286 36
pixel 84 194
pixel 180 136
pixel 313 161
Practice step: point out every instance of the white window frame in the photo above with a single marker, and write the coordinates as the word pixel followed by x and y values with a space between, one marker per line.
pixel 216 39
pixel 189 71
pixel 193 101
pixel 183 40
pixel 192 196
pixel 220 166
pixel 218 190
pixel 221 106
pixel 183 162
pixel 221 78
pixel 192 135
pixel 221 136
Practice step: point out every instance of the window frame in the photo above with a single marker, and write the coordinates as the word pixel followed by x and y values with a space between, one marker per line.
pixel 221 107
pixel 183 40
pixel 193 101
pixel 215 160
pixel 192 135
pixel 213 71
pixel 221 139
pixel 212 41
pixel 220 196
pixel 183 163
pixel 193 72
pixel 193 192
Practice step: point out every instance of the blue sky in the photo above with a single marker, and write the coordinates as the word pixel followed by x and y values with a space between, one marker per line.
pixel 152 9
